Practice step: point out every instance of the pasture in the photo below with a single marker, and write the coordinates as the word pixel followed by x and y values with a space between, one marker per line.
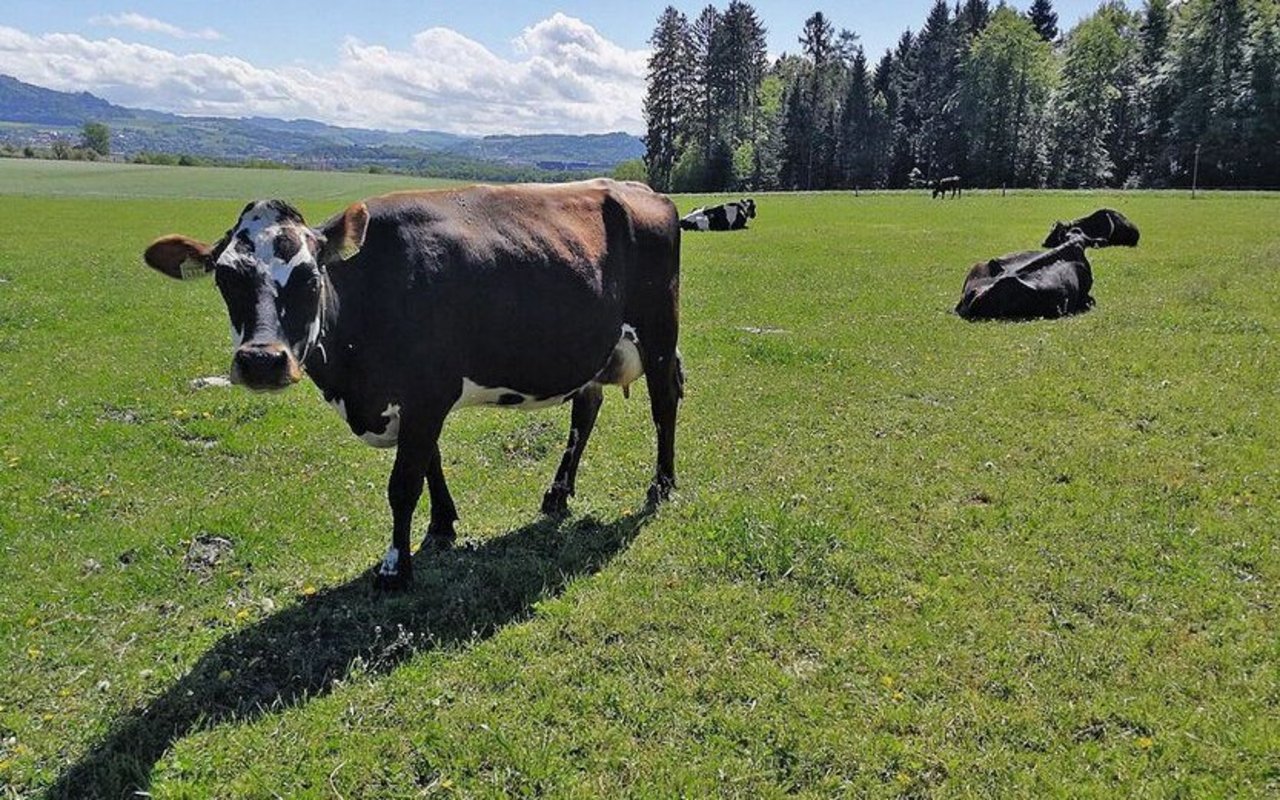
pixel 909 556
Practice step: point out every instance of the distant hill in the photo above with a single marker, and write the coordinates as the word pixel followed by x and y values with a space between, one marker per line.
pixel 24 102
pixel 33 115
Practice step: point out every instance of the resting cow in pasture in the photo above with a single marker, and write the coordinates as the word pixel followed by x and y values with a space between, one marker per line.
pixel 1105 226
pixel 730 216
pixel 1036 284
pixel 942 186
pixel 408 306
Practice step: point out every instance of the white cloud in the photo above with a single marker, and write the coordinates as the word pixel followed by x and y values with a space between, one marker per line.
pixel 565 78
pixel 152 25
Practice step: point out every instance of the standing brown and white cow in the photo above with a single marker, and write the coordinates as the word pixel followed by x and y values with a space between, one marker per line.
pixel 407 306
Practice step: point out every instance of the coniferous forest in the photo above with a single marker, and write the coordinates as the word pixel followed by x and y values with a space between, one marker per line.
pixel 1001 97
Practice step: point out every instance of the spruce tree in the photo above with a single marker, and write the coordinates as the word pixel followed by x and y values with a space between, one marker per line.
pixel 667 102
pixel 1044 18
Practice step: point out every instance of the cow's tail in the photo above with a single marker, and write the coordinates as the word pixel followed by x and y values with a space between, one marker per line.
pixel 679 375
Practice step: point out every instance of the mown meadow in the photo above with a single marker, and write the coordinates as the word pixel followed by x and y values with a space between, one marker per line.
pixel 910 556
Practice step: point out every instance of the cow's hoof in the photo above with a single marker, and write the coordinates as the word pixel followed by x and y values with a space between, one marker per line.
pixel 660 490
pixel 393 581
pixel 555 503
pixel 395 571
pixel 440 537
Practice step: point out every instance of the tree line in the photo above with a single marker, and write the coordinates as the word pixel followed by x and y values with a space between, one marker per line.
pixel 1126 98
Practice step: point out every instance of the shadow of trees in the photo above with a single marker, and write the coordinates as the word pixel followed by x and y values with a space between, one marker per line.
pixel 459 596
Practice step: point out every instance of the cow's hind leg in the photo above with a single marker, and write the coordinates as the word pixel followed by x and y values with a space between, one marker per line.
pixel 586 406
pixel 664 375
pixel 440 533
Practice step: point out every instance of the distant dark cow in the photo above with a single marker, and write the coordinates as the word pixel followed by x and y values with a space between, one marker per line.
pixel 950 184
pixel 1105 226
pixel 731 216
pixel 1036 284
pixel 410 305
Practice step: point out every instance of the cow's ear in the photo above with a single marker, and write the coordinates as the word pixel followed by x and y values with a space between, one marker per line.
pixel 344 234
pixel 179 257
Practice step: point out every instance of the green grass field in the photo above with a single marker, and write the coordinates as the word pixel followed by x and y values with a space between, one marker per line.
pixel 910 556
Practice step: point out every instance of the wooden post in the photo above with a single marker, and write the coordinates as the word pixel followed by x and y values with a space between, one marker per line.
pixel 1195 173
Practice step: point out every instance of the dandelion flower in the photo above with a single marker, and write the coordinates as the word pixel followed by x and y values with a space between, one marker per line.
pixel 308 590
pixel 1145 742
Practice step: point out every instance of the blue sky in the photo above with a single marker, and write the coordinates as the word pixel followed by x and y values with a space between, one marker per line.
pixel 480 67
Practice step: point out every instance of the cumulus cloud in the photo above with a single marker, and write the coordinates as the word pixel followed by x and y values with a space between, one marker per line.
pixel 152 25
pixel 565 78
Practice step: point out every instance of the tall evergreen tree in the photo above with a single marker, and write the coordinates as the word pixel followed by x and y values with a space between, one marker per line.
pixel 906 121
pixel 811 112
pixel 973 17
pixel 1263 97
pixel 741 51
pixel 704 127
pixel 1044 18
pixel 858 135
pixel 798 127
pixel 885 107
pixel 934 92
pixel 667 102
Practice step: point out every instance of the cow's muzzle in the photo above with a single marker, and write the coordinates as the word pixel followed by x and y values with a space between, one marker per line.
pixel 264 367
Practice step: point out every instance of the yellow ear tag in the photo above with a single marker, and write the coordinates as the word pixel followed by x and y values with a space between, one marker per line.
pixel 348 249
pixel 191 268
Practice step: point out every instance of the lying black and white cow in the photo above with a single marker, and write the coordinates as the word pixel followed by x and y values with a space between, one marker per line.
pixel 408 306
pixel 1035 284
pixel 730 216
pixel 950 184
pixel 1105 226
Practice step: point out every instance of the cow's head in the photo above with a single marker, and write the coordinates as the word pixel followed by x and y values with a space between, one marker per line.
pixel 749 206
pixel 1057 234
pixel 270 268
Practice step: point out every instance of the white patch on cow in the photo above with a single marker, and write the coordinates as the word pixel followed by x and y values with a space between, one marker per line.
pixel 473 394
pixel 731 214
pixel 262 226
pixel 391 435
pixel 340 406
pixel 313 336
pixel 703 222
pixel 390 562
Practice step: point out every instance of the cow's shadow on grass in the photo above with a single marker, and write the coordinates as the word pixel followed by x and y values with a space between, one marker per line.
pixel 460 596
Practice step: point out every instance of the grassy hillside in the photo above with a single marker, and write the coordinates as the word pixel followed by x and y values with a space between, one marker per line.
pixel 910 556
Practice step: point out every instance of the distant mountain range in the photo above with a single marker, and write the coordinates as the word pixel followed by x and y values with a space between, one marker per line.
pixel 33 115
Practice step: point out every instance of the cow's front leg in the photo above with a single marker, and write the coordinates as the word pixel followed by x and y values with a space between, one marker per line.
pixel 417 454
